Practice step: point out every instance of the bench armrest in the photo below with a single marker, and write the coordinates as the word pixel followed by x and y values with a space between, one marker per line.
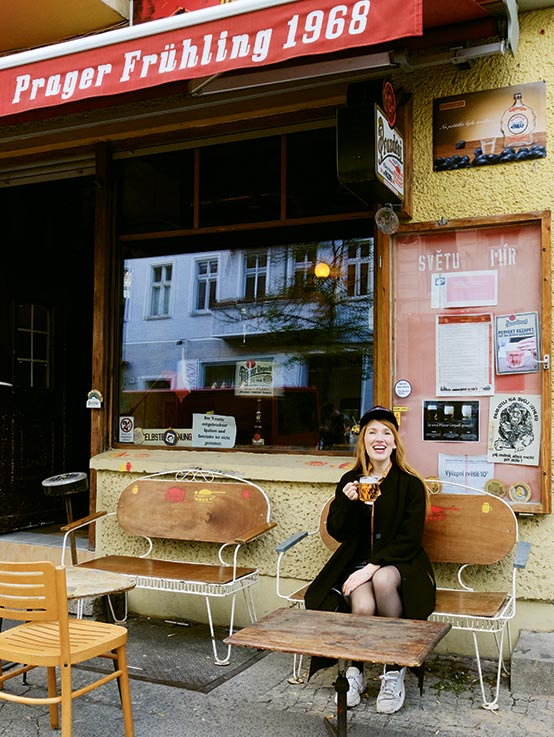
pixel 522 554
pixel 82 522
pixel 256 532
pixel 291 541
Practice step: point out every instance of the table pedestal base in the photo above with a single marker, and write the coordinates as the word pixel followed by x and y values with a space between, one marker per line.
pixel 341 687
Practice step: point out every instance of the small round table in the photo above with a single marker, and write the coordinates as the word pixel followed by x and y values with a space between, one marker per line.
pixel 88 583
pixel 66 484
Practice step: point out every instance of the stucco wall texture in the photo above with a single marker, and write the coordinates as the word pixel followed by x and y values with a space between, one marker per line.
pixel 298 486
pixel 482 191
pixel 497 190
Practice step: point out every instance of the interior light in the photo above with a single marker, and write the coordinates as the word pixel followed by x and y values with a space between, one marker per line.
pixel 322 270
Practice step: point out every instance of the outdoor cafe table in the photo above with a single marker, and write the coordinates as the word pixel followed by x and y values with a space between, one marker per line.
pixel 404 642
pixel 84 583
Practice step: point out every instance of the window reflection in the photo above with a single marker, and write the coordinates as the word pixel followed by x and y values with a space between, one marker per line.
pixel 253 336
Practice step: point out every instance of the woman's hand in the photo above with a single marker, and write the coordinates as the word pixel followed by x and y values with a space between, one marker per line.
pixel 359 577
pixel 350 490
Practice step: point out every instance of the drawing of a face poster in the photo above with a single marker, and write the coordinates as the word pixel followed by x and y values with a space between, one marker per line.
pixel 514 429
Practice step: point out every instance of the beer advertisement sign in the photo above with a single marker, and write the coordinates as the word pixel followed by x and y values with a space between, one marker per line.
pixel 389 154
pixel 501 126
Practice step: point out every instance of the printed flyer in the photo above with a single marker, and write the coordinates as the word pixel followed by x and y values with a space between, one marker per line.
pixel 515 429
pixel 517 343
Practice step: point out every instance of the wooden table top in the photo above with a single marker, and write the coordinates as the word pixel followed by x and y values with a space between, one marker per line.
pixel 84 582
pixel 405 642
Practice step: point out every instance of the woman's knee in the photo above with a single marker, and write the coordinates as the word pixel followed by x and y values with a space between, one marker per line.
pixel 386 579
pixel 367 608
pixel 363 601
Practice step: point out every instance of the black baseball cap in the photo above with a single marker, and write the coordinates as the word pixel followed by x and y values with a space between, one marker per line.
pixel 378 413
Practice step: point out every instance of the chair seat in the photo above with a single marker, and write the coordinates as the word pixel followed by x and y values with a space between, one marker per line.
pixel 38 643
pixel 470 603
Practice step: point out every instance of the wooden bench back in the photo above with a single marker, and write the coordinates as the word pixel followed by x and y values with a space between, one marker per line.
pixel 469 528
pixel 460 528
pixel 207 509
pixel 329 541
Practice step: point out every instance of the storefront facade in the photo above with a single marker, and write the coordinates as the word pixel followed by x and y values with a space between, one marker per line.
pixel 210 207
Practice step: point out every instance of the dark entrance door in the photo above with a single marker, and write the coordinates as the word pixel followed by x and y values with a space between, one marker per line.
pixel 45 346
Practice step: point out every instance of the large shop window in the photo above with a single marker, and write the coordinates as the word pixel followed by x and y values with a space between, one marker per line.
pixel 240 348
pixel 471 371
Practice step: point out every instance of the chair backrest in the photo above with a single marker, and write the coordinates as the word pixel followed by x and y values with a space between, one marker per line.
pixel 460 528
pixel 192 504
pixel 470 528
pixel 329 541
pixel 32 591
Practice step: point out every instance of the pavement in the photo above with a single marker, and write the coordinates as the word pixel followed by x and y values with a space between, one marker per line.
pixel 260 702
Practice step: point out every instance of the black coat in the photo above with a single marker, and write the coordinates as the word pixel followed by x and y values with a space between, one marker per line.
pixel 398 531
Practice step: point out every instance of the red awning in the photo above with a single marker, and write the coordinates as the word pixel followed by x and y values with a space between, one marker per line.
pixel 245 34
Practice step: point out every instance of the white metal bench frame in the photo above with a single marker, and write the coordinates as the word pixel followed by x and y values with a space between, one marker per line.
pixel 497 624
pixel 227 556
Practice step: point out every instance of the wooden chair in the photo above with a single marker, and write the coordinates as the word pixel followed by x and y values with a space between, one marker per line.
pixel 35 593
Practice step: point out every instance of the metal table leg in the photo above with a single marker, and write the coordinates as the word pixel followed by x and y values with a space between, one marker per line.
pixel 341 688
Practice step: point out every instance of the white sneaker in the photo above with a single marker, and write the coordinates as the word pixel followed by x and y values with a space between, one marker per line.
pixel 392 693
pixel 356 686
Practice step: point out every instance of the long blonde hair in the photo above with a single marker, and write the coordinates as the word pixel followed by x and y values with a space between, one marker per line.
pixel 398 456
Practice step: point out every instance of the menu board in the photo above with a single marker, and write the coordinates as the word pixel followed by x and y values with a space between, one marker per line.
pixel 469 343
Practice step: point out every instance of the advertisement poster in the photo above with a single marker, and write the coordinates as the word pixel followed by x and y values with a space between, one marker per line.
pixel 451 421
pixel 500 126
pixel 517 343
pixel 254 378
pixel 389 158
pixel 464 355
pixel 515 429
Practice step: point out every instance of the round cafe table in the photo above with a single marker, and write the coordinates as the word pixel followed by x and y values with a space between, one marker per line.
pixel 87 583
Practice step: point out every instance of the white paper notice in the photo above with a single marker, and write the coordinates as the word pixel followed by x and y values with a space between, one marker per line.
pixel 464 289
pixel 464 355
pixel 213 431
pixel 472 471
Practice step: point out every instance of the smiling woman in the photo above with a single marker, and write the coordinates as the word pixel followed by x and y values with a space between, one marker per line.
pixel 380 567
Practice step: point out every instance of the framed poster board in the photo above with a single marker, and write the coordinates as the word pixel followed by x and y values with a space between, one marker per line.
pixel 471 359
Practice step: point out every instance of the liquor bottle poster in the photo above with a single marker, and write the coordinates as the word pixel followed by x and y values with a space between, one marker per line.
pixel 499 126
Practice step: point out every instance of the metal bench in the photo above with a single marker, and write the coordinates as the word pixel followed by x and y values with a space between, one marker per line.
pixel 470 530
pixel 191 505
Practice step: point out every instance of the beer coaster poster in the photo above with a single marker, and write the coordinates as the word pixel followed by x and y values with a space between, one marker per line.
pixel 456 421
pixel 515 429
pixel 499 126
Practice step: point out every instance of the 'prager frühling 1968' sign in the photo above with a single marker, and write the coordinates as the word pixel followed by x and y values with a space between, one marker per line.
pixel 201 44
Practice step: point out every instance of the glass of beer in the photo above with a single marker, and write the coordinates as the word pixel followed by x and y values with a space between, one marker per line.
pixel 368 489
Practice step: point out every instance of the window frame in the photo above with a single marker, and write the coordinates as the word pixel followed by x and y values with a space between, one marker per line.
pixel 195 309
pixel 165 286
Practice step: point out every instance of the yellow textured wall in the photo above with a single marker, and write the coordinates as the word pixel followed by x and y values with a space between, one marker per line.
pixel 483 191
pixel 496 190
